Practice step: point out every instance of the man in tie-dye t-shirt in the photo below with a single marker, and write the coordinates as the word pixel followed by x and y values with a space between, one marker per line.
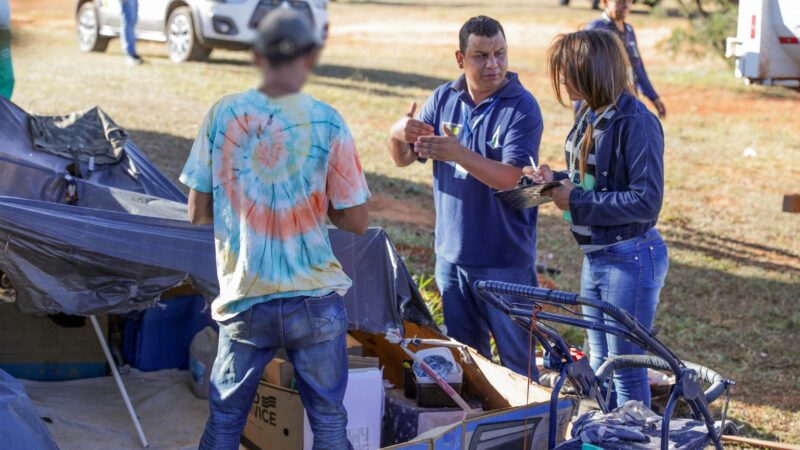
pixel 267 168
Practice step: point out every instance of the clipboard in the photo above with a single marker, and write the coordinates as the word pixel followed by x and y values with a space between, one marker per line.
pixel 526 194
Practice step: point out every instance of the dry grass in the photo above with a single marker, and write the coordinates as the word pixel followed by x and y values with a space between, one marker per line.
pixel 734 282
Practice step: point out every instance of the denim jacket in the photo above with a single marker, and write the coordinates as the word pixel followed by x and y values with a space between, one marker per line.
pixel 629 189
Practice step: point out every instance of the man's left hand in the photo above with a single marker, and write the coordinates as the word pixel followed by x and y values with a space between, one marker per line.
pixel 560 194
pixel 440 148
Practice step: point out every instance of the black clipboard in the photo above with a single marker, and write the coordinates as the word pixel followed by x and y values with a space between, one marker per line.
pixel 527 195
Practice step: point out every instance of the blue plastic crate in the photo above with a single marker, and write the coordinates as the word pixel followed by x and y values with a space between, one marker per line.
pixel 161 338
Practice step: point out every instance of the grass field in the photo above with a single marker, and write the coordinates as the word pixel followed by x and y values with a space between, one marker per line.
pixel 731 299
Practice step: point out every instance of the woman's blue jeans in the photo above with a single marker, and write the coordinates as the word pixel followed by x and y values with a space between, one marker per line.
pixel 629 275
pixel 313 331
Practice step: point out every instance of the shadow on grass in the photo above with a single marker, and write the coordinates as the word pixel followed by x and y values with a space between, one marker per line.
pixel 360 89
pixel 742 326
pixel 380 76
pixel 741 252
pixel 167 151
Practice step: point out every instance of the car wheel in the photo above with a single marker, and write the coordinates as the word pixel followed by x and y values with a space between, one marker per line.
pixel 182 42
pixel 88 27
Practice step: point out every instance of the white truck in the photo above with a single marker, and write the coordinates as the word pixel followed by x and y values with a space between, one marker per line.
pixel 767 44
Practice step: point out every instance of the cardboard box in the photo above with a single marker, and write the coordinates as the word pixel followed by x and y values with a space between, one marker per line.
pixel 354 347
pixel 506 429
pixel 404 419
pixel 500 430
pixel 363 362
pixel 509 400
pixel 277 420
pixel 36 348
pixel 279 373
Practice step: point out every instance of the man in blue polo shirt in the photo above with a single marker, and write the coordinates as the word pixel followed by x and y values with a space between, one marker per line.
pixel 479 130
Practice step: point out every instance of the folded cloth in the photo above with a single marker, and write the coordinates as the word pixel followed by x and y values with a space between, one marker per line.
pixel 85 136
pixel 626 423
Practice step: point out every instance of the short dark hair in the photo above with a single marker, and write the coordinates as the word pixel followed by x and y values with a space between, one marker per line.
pixel 479 26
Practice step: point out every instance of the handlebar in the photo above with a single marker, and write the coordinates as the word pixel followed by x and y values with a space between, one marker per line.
pixel 710 376
pixel 529 292
pixel 570 299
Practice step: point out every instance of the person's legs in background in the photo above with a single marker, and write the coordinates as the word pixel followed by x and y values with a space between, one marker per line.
pixel 462 316
pixel 315 336
pixel 240 362
pixel 313 331
pixel 513 342
pixel 130 15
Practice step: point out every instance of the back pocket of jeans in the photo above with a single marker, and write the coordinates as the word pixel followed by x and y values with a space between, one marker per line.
pixel 327 315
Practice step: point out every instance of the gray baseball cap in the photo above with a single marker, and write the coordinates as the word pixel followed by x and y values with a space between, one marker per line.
pixel 284 33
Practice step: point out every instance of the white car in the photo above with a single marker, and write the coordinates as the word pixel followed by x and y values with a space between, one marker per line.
pixel 191 28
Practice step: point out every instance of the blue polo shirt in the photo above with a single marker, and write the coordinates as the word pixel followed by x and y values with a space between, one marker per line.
pixel 473 227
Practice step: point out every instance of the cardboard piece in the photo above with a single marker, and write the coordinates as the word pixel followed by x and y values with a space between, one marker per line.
pixel 404 420
pixel 354 347
pixel 363 362
pixel 277 419
pixel 509 400
pixel 279 373
pixel 36 348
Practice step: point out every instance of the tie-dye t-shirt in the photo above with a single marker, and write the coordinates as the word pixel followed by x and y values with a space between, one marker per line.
pixel 273 167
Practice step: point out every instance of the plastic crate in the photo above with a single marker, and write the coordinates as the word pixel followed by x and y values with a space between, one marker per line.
pixel 161 338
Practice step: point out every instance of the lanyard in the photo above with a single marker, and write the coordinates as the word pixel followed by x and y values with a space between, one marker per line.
pixel 466 127
pixel 573 147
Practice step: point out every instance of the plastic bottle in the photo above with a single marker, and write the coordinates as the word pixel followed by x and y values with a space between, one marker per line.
pixel 202 353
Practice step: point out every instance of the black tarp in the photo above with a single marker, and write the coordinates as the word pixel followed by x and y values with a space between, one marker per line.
pixel 128 240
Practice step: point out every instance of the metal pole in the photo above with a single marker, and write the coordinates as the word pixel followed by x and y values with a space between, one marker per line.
pixel 118 379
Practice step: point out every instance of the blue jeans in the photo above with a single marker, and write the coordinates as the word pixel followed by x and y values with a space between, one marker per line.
pixel 313 331
pixel 629 275
pixel 130 15
pixel 469 319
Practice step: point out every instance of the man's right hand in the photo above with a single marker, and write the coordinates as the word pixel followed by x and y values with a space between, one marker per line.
pixel 408 129
pixel 542 175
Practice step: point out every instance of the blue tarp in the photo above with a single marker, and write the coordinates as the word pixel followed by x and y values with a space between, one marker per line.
pixel 20 425
pixel 128 240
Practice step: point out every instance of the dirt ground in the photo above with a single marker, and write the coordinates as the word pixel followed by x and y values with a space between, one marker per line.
pixel 731 299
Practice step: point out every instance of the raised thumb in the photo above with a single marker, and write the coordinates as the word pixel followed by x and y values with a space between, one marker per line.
pixel 413 109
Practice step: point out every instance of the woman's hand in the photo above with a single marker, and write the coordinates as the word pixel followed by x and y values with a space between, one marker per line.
pixel 541 176
pixel 560 194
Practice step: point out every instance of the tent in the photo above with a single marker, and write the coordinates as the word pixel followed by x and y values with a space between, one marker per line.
pixel 124 240
pixel 127 240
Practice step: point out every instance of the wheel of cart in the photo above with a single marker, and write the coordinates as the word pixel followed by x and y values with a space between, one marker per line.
pixel 523 305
